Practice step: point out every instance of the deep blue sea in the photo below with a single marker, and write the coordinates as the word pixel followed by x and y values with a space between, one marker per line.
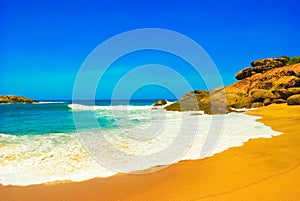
pixel 40 142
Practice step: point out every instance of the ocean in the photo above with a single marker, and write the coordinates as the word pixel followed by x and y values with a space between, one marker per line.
pixel 58 140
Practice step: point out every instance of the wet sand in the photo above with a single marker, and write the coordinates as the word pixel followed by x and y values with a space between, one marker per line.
pixel 261 169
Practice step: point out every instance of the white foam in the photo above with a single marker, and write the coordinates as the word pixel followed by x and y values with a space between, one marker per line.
pixel 48 102
pixel 243 109
pixel 38 159
pixel 110 107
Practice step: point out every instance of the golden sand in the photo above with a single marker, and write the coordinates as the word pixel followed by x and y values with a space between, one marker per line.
pixel 262 169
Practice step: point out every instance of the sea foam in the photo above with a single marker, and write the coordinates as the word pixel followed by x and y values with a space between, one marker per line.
pixel 35 159
pixel 75 106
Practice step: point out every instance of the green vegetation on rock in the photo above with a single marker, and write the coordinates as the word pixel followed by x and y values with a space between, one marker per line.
pixel 294 60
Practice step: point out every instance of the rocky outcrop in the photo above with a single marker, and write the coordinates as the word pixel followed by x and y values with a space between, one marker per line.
pixel 294 100
pixel 15 99
pixel 269 63
pixel 160 102
pixel 262 65
pixel 276 85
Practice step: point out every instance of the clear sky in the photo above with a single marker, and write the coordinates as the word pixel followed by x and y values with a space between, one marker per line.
pixel 44 43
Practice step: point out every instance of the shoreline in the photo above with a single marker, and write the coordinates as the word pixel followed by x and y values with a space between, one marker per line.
pixel 249 171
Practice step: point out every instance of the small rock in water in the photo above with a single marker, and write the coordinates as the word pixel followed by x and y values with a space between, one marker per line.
pixel 160 102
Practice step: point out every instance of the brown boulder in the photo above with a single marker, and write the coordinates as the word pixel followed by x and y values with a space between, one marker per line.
pixel 260 69
pixel 294 90
pixel 247 72
pixel 258 63
pixel 237 100
pixel 263 65
pixel 278 101
pixel 267 101
pixel 294 100
pixel 257 105
pixel 282 93
pixel 269 63
pixel 285 93
pixel 261 94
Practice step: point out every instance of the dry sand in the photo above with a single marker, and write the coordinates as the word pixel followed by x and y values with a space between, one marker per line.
pixel 262 169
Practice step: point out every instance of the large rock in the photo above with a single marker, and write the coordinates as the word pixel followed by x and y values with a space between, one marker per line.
pixel 15 99
pixel 261 94
pixel 294 100
pixel 211 102
pixel 192 101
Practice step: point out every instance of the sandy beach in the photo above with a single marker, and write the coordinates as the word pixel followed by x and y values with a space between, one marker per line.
pixel 261 169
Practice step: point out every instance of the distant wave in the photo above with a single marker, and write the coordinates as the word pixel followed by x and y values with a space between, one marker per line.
pixel 110 107
pixel 48 102
pixel 75 106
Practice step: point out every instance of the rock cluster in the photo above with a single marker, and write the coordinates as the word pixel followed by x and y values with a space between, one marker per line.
pixel 15 99
pixel 262 65
pixel 273 86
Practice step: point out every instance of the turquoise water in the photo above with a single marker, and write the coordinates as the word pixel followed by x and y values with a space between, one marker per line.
pixel 53 117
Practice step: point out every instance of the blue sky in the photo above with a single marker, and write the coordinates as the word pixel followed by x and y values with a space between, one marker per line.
pixel 44 43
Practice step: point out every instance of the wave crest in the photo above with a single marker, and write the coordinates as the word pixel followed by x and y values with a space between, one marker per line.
pixel 109 107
